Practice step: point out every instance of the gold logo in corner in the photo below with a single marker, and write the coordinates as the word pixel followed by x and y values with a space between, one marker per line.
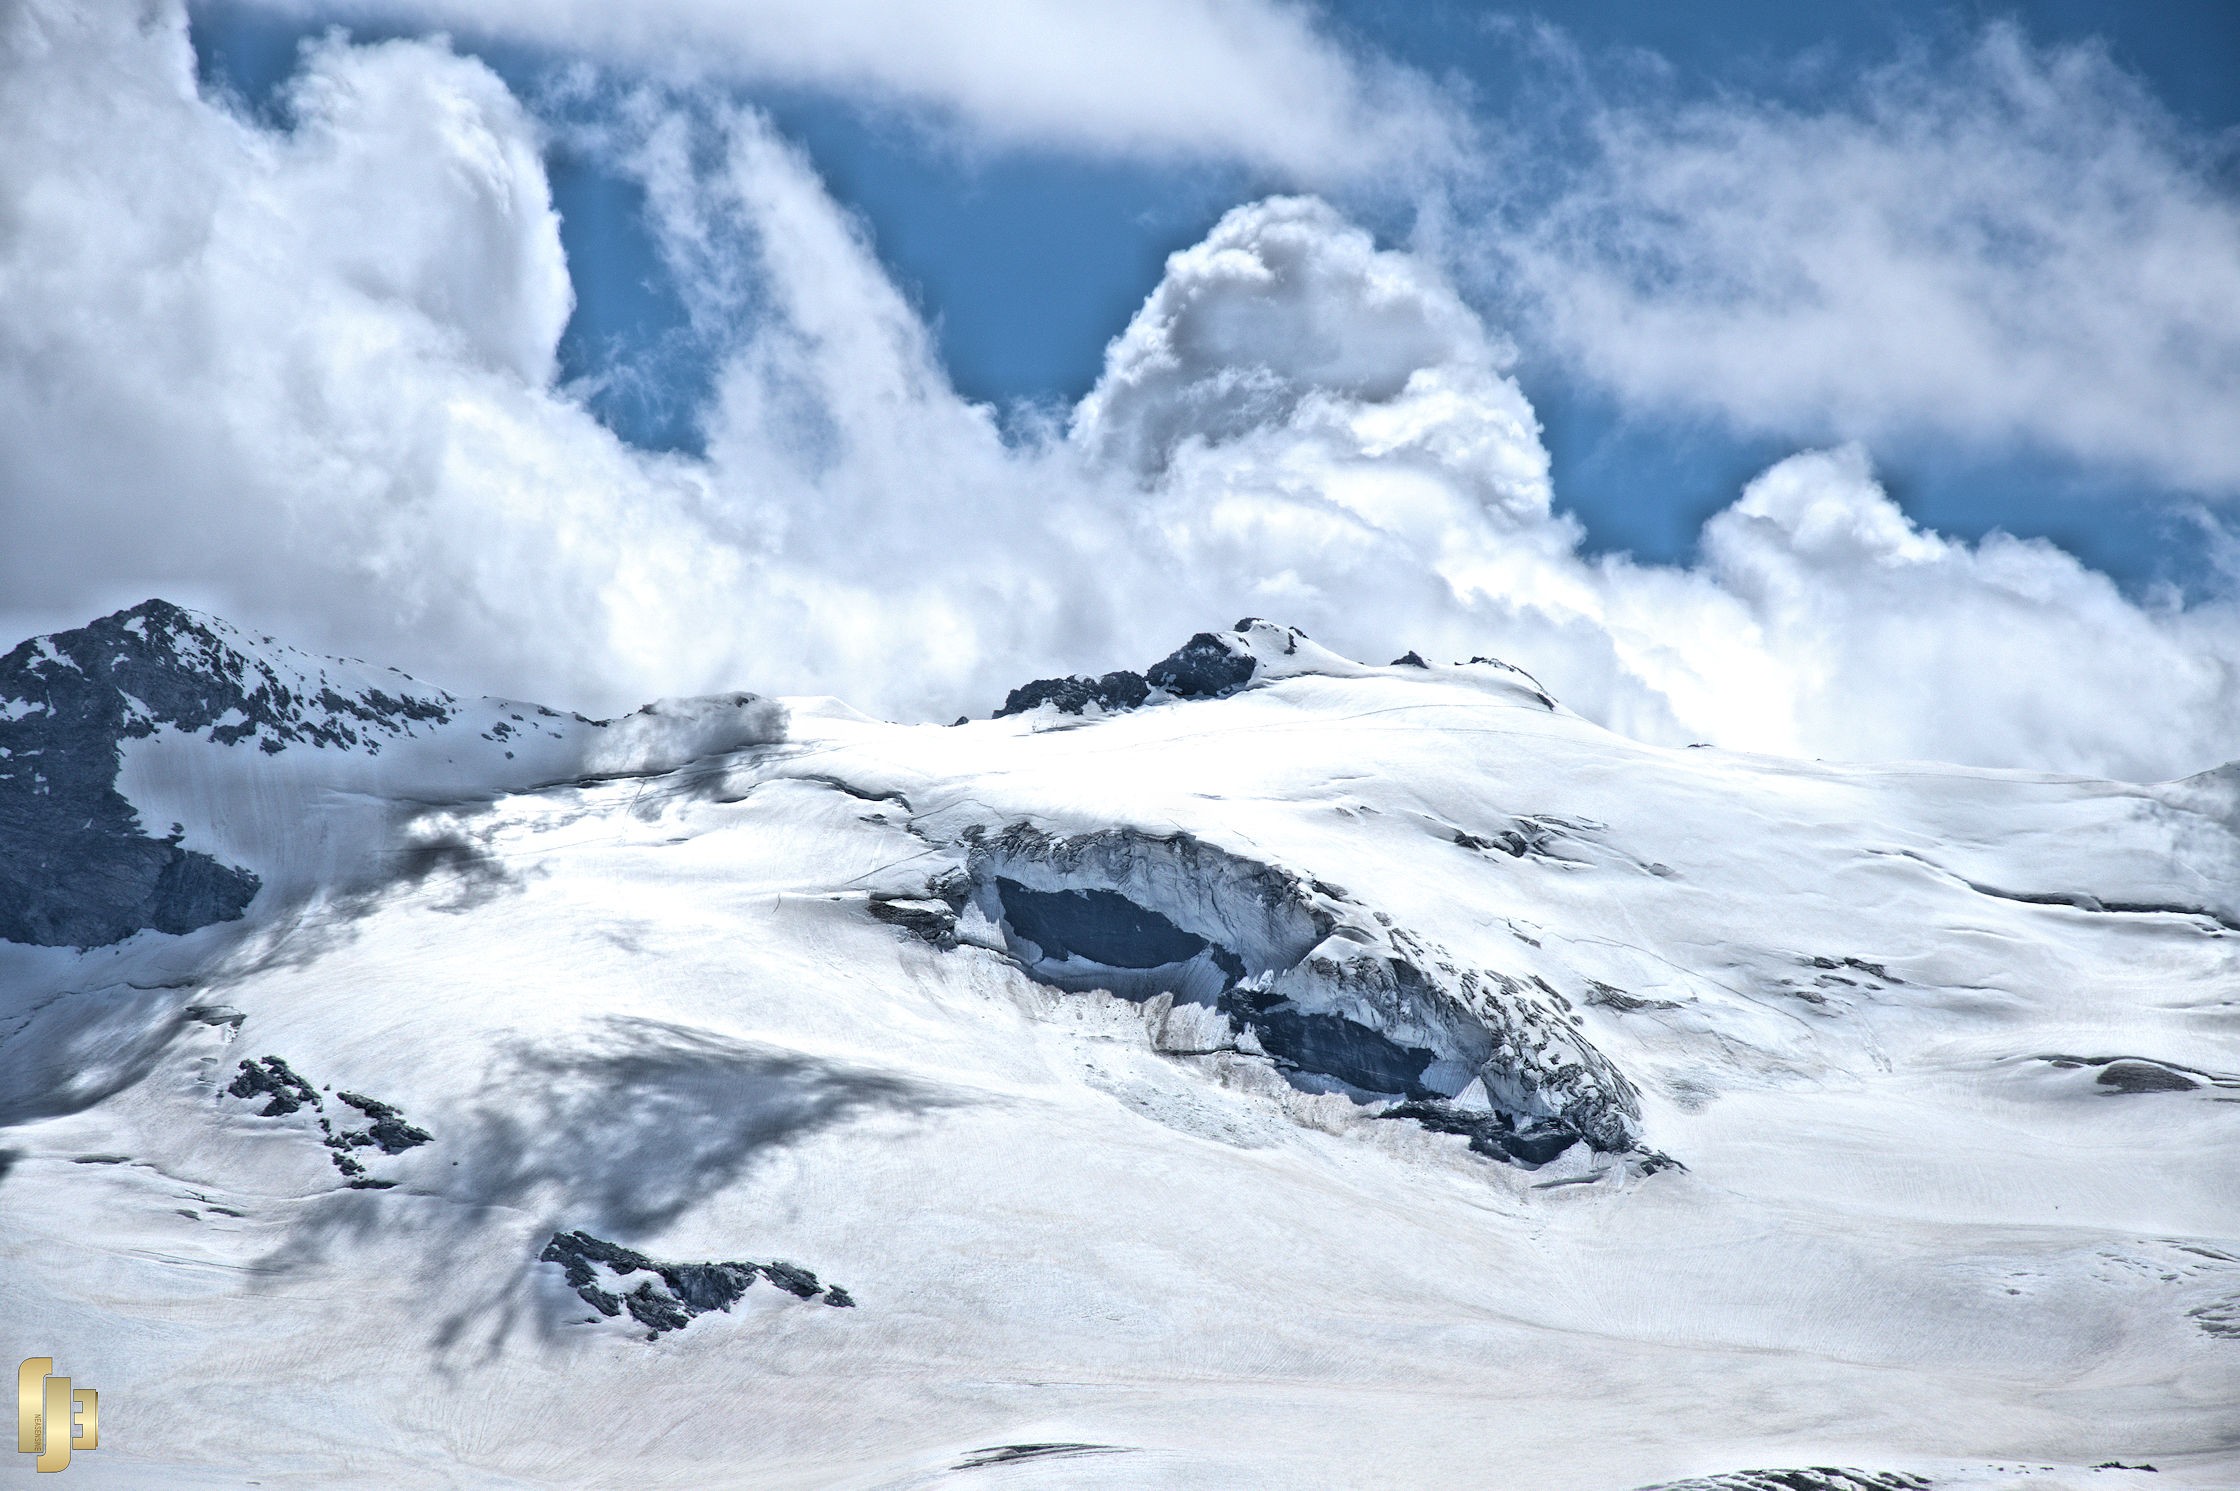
pixel 53 1418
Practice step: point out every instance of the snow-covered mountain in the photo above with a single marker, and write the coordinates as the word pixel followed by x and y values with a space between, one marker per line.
pixel 1264 1069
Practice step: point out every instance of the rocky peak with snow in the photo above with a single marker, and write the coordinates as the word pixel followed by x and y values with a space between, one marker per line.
pixel 1383 1035
pixel 78 865
pixel 1215 665
pixel 158 765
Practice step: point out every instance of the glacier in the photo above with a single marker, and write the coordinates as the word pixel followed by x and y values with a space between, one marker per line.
pixel 1260 1069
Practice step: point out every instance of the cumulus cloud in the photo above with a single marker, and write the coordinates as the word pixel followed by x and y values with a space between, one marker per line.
pixel 1278 304
pixel 305 378
pixel 304 374
pixel 1244 80
pixel 2014 245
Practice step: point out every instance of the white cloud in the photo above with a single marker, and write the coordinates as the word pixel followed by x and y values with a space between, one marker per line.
pixel 306 379
pixel 2014 245
pixel 1282 301
pixel 1246 80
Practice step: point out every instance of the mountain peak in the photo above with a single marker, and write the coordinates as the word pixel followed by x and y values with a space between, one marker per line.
pixel 1215 665
pixel 158 766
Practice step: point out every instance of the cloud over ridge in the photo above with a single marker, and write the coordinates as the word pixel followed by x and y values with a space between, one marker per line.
pixel 305 378
pixel 2016 243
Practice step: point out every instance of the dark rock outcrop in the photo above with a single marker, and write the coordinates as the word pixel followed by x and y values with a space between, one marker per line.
pixel 77 866
pixel 1101 926
pixel 1334 995
pixel 286 1092
pixel 390 1133
pixel 1208 666
pixel 928 920
pixel 275 1080
pixel 2134 1075
pixel 1813 1478
pixel 669 1295
pixel 1494 1135
pixel 1113 692
pixel 2144 1076
pixel 1205 667
pixel 1012 1454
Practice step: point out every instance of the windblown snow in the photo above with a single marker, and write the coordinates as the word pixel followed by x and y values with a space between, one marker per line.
pixel 1265 1069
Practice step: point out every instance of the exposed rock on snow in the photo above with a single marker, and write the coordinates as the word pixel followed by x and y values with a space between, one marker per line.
pixel 1205 667
pixel 1818 1478
pixel 285 1092
pixel 1208 666
pixel 389 1132
pixel 1013 1454
pixel 1138 1066
pixel 666 1296
pixel 275 1081
pixel 1211 665
pixel 2139 1074
pixel 1328 990
pixel 78 867
pixel 926 918
pixel 1107 695
pixel 159 769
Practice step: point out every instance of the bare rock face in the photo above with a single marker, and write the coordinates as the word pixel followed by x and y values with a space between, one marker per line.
pixel 1107 695
pixel 1330 992
pixel 666 1296
pixel 286 1091
pixel 77 866
pixel 1211 665
pixel 1815 1478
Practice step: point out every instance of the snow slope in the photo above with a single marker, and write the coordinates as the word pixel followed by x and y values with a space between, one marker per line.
pixel 1293 1073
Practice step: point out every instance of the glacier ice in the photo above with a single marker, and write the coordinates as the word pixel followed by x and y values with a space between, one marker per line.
pixel 1301 1073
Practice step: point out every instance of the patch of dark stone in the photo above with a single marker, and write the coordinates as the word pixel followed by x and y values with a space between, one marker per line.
pixel 1100 925
pixel 673 1293
pixel 2144 1076
pixel 927 919
pixel 1610 997
pixel 286 1091
pixel 1012 1454
pixel 77 866
pixel 1813 1478
pixel 1526 838
pixel 1205 667
pixel 1111 693
pixel 2119 1465
pixel 2133 1075
pixel 1508 841
pixel 1409 659
pixel 1103 928
pixel 1494 1135
pixel 389 1133
pixel 1331 1046
pixel 276 1081
pixel 1858 965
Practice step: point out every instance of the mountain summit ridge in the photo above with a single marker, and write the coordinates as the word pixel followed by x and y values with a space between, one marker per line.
pixel 1313 1073
pixel 102 726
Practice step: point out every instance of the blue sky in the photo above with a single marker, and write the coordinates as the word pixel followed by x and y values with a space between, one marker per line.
pixel 1854 381
pixel 1028 261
